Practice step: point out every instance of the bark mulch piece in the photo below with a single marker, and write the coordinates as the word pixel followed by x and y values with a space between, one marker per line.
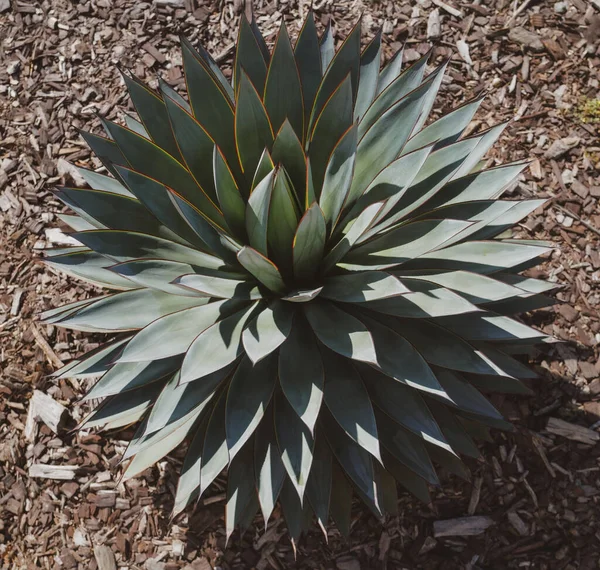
pixel 533 498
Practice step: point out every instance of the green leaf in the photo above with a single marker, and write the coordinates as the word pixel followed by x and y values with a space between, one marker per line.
pixel 364 286
pixel 302 295
pixel 215 347
pixel 288 151
pixel 319 486
pixel 174 333
pixel 262 268
pixel 125 246
pixel 397 89
pixel 169 92
pixel 309 243
pixel 382 143
pixel 248 58
pixel 407 478
pixel 215 455
pixel 154 447
pixel 403 405
pixel 177 400
pixel 301 373
pixel 151 109
pixel 435 77
pixel 331 123
pixel 156 198
pixel 308 61
pixel 124 409
pixel 453 430
pixel 268 330
pixel 390 71
pixel 230 200
pixel 269 469
pixel 209 62
pixel 466 397
pixel 491 328
pixel 427 301
pixel 481 256
pixel 125 311
pixel 445 130
pixel 216 240
pixel 218 287
pixel 338 177
pixel 241 492
pixel 368 76
pixel 326 48
pixel 348 401
pixel 293 511
pixel 195 144
pixel 92 363
pixel 441 347
pixel 345 62
pixel 389 185
pixel 476 288
pixel 341 500
pixel 211 106
pixel 152 161
pixel 407 241
pixel 340 331
pixel 474 162
pixel 449 461
pixel 295 444
pixel 352 233
pixel 99 181
pixel 91 267
pixel 283 91
pixel 253 131
pixel 248 397
pixel 264 168
pixel 283 221
pixel 156 273
pixel 124 376
pixel 257 213
pixel 405 447
pixel 354 460
pixel 106 150
pixel 399 360
pixel 387 490
pixel 188 485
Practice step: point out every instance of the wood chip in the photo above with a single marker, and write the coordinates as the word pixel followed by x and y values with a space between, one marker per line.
pixel 43 408
pixel 464 526
pixel 46 348
pixel 59 472
pixel 105 558
pixel 572 431
pixel 448 8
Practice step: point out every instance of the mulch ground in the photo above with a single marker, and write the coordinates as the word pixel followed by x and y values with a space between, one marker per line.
pixel 533 498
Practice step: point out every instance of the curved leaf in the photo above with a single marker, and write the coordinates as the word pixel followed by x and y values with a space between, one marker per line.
pixel 309 243
pixel 301 373
pixel 262 268
pixel 248 397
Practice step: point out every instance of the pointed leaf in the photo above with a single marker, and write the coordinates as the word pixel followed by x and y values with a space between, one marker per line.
pixel 175 332
pixel 283 221
pixel 253 131
pixel 288 151
pixel 230 200
pixel 340 331
pixel 368 76
pixel 283 92
pixel 348 401
pixel 309 243
pixel 218 287
pixel 262 268
pixel 257 213
pixel 248 397
pixel 268 330
pixel 301 373
pixel 241 491
pixel 249 58
pixel 215 455
pixel 319 486
pixel 363 286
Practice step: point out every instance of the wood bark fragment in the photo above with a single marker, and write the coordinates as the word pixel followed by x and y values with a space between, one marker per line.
pixel 59 472
pixel 43 408
pixel 463 526
pixel 572 431
pixel 105 558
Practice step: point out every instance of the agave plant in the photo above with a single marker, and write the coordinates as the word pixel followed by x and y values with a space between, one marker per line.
pixel 313 282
